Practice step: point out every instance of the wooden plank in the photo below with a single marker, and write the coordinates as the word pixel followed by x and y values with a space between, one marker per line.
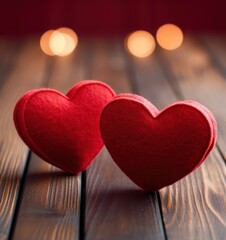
pixel 115 207
pixel 13 151
pixel 194 207
pixel 50 207
pixel 50 204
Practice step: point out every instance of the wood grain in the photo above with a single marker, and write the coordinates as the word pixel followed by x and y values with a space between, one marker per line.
pixel 195 207
pixel 50 204
pixel 115 207
pixel 13 152
pixel 50 207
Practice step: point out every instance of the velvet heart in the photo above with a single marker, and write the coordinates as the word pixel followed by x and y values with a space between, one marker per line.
pixel 64 129
pixel 157 148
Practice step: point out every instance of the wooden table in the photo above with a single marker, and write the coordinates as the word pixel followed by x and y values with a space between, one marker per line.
pixel 38 201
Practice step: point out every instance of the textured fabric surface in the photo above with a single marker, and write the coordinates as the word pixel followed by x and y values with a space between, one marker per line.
pixel 157 148
pixel 64 130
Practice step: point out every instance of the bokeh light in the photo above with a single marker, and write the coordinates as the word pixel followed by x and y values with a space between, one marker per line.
pixel 169 36
pixel 44 43
pixel 140 43
pixel 57 42
pixel 60 42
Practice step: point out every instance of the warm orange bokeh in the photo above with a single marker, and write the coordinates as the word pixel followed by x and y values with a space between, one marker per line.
pixel 169 36
pixel 60 42
pixel 140 44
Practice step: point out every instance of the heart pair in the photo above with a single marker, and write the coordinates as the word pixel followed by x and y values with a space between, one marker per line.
pixel 154 149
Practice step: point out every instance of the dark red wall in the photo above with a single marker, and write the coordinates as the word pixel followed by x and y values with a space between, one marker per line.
pixel 106 17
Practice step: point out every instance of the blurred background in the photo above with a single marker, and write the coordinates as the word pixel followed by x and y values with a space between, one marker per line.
pixel 109 18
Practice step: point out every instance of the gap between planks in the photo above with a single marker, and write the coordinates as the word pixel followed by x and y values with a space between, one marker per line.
pixel 51 201
pixel 13 151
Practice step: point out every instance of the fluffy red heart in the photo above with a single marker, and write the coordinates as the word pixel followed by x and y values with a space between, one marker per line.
pixel 155 149
pixel 64 130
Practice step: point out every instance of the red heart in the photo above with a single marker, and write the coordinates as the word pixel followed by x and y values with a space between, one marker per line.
pixel 153 148
pixel 64 130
